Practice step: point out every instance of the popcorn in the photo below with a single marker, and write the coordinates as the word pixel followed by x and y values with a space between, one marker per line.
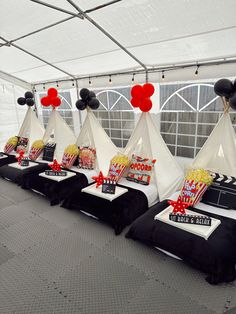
pixel 11 144
pixel 118 165
pixel 195 184
pixel 36 149
pixel 70 154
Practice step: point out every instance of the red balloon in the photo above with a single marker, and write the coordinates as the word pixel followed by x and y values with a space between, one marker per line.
pixel 52 92
pixel 146 105
pixel 135 102
pixel 148 89
pixel 55 101
pixel 45 101
pixel 137 91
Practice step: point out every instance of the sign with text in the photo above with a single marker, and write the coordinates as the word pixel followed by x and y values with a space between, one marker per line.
pixel 191 219
pixel 56 173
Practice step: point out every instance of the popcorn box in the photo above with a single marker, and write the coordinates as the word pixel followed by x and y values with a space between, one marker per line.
pixel 193 191
pixel 8 148
pixel 116 171
pixel 68 160
pixel 35 153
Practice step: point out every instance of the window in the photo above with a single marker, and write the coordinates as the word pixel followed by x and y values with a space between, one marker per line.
pixel 189 114
pixel 116 114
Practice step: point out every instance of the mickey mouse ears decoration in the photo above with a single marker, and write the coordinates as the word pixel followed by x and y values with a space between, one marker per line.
pixel 28 99
pixel 227 90
pixel 88 98
pixel 141 96
pixel 51 99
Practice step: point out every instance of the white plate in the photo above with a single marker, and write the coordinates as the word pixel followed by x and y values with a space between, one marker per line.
pixel 91 189
pixel 58 178
pixel 201 231
pixel 19 167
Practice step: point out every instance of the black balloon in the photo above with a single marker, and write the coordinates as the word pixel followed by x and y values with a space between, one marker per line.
pixel 21 101
pixel 80 104
pixel 235 85
pixel 29 95
pixel 232 101
pixel 84 93
pixel 94 103
pixel 92 94
pixel 29 102
pixel 224 88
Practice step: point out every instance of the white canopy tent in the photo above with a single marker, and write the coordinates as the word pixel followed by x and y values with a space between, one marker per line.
pixel 81 38
pixel 62 134
pixel 92 134
pixel 146 141
pixel 218 154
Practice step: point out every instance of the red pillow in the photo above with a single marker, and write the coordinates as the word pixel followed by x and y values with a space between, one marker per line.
pixel 140 170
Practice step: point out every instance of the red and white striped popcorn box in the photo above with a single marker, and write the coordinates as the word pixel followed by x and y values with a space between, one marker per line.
pixel 68 160
pixel 192 191
pixel 116 171
pixel 8 148
pixel 35 153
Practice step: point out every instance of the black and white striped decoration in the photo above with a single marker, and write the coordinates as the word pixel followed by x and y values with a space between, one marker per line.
pixel 222 178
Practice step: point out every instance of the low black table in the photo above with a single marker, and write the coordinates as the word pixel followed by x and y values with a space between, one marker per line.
pixel 53 190
pixel 20 176
pixel 215 256
pixel 119 213
pixel 8 160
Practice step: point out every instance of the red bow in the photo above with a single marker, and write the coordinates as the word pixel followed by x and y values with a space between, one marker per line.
pixel 99 179
pixel 20 157
pixel 55 166
pixel 179 206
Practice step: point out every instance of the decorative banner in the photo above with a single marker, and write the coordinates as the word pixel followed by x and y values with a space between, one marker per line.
pixel 179 206
pixel 88 98
pixel 109 186
pixel 51 99
pixel 190 219
pixel 141 96
pixel 28 99
pixel 55 166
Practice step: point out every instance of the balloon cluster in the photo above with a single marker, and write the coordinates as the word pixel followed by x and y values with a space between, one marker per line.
pixel 28 99
pixel 141 96
pixel 88 98
pixel 51 99
pixel 226 88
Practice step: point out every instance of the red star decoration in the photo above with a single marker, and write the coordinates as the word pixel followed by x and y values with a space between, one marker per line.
pixel 179 206
pixel 55 166
pixel 20 157
pixel 99 179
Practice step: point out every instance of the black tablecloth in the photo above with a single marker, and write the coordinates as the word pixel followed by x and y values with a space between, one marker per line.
pixel 119 213
pixel 215 256
pixel 53 190
pixel 10 159
pixel 20 176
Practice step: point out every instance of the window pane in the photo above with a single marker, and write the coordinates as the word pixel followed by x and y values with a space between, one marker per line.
pixel 169 139
pixel 186 128
pixel 168 127
pixel 185 152
pixel 186 140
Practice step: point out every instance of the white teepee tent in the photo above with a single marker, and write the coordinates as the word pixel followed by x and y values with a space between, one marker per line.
pixel 92 134
pixel 218 154
pixel 147 141
pixel 63 135
pixel 31 127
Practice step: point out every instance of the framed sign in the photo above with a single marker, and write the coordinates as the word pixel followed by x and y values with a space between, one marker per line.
pixel 191 219
pixel 56 173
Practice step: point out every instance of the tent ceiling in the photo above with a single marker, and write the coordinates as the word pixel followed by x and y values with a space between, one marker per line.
pixel 158 33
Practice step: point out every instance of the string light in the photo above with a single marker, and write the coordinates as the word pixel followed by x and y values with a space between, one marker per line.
pixel 43 86
pixel 57 84
pixel 196 72
pixel 133 77
pixel 73 83
pixel 110 81
pixel 90 82
pixel 163 75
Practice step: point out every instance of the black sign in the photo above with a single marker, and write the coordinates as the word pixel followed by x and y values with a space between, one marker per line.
pixel 56 173
pixel 48 151
pixel 191 219
pixel 24 162
pixel 109 186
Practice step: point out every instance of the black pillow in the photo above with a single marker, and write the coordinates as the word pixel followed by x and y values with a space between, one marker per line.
pixel 48 151
pixel 222 192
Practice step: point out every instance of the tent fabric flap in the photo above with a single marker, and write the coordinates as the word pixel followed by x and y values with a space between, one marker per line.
pixel 62 134
pixel 218 154
pixel 31 127
pixel 92 134
pixel 147 141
